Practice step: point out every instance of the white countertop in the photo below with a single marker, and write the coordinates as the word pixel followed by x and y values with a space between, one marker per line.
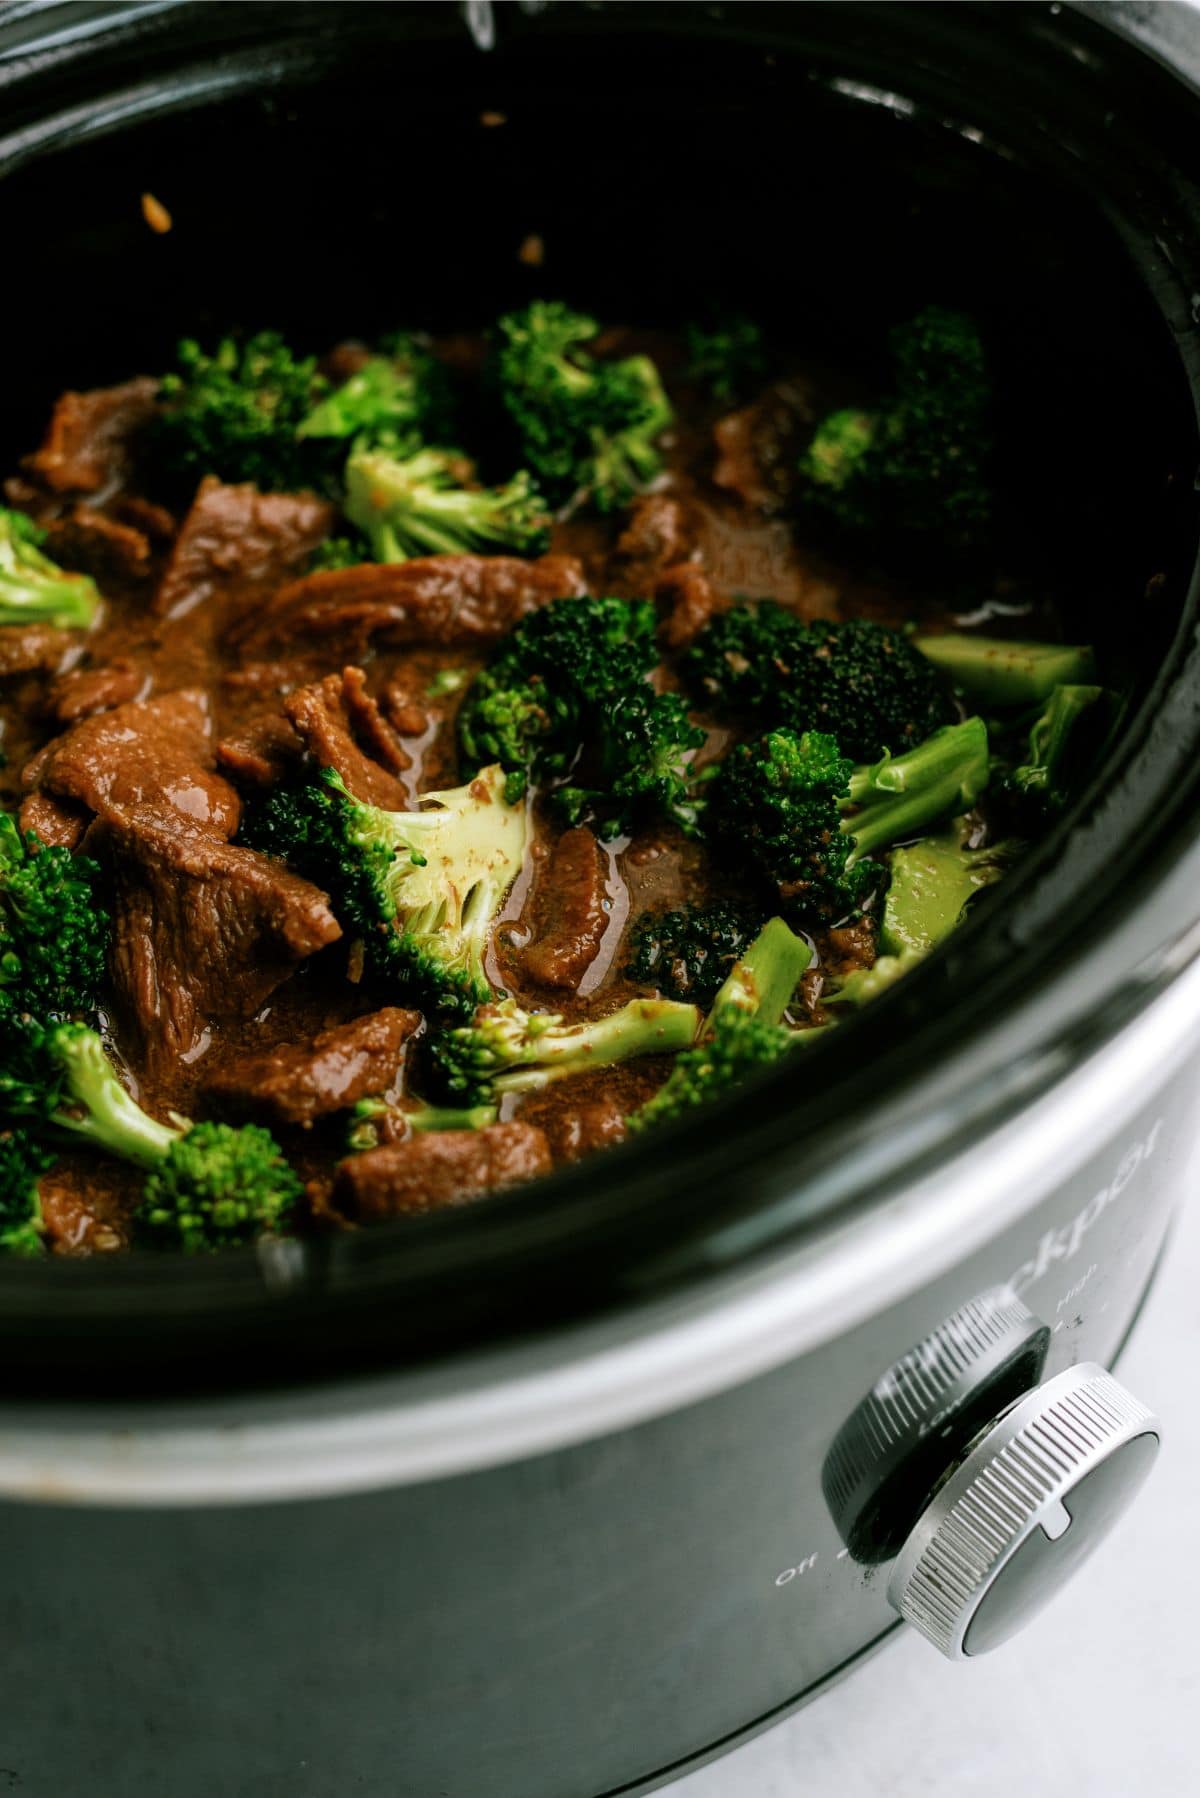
pixel 1099 1698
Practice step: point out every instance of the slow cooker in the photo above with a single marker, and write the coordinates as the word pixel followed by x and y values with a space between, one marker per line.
pixel 553 1497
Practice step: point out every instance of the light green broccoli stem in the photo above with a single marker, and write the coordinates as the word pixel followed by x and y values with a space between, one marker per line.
pixel 994 671
pixel 419 506
pixel 902 795
pixel 932 883
pixel 766 977
pixel 1051 734
pixel 412 1114
pixel 110 1117
pixel 35 590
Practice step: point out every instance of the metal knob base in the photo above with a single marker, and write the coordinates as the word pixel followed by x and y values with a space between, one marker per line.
pixel 1035 1493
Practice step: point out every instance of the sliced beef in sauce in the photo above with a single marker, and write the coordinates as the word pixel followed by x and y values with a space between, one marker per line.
pixel 432 599
pixel 203 931
pixel 86 691
pixel 87 1204
pixel 104 547
pixel 236 543
pixel 32 649
pixel 295 1083
pixel 689 599
pixel 578 1131
pixel 89 441
pixel 659 533
pixel 758 447
pixel 147 750
pixel 58 822
pixel 262 752
pixel 570 912
pixel 436 1169
pixel 343 728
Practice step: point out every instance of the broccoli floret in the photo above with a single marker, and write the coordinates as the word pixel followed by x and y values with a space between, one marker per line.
pixel 742 1032
pixel 236 414
pixel 506 1049
pixel 53 931
pixel 338 552
pixel 808 819
pixel 584 426
pixel 931 884
pixel 373 1120
pixel 687 954
pixel 1062 742
pixel 207 1186
pixel 23 1161
pixel 421 888
pixel 992 671
pixel 35 590
pixel 420 506
pixel 728 358
pixel 859 681
pixel 918 463
pixel 567 693
pixel 397 401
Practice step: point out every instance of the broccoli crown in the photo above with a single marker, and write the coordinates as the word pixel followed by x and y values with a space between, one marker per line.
pixel 338 552
pixel 35 590
pixel 780 799
pixel 918 463
pixel 859 681
pixel 23 1161
pixel 567 693
pixel 236 413
pixel 583 425
pixel 727 358
pixel 396 401
pixel 30 1079
pixel 53 931
pixel 420 506
pixel 737 1044
pixel 217 1186
pixel 507 1049
pixel 687 954
pixel 421 888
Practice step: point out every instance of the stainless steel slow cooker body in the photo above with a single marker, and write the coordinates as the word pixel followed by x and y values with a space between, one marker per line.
pixel 614 1528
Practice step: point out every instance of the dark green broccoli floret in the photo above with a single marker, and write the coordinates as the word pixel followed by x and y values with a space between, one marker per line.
pixel 338 552
pixel 420 506
pixel 728 358
pixel 687 954
pixel 373 1121
pixel 568 693
pixel 236 414
pixel 397 401
pixel 917 463
pixel 207 1185
pixel 994 671
pixel 53 930
pixel 808 819
pixel 743 1031
pixel 861 682
pixel 23 1161
pixel 35 590
pixel 506 1049
pixel 1062 743
pixel 421 888
pixel 584 426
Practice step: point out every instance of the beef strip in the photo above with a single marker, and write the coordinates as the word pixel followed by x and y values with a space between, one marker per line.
pixel 147 750
pixel 56 821
pixel 101 546
pixel 262 753
pixel 432 599
pixel 333 717
pixel 87 1204
pixel 237 543
pixel 439 1168
pixel 690 600
pixel 759 446
pixel 658 534
pixel 596 1124
pixel 88 443
pixel 570 912
pixel 32 649
pixel 203 931
pixel 298 1082
pixel 86 691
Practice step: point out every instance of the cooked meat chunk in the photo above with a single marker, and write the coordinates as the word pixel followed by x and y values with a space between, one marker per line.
pixel 32 649
pixel 297 1082
pixel 87 1204
pixel 56 821
pixel 86 691
pixel 262 752
pixel 690 599
pixel 441 1168
pixel 658 534
pixel 147 750
pixel 237 543
pixel 596 1124
pixel 333 717
pixel 432 599
pixel 202 930
pixel 757 448
pixel 103 547
pixel 570 912
pixel 87 445
pixel 849 946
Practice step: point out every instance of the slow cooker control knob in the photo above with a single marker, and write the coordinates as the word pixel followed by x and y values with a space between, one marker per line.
pixel 1034 1494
